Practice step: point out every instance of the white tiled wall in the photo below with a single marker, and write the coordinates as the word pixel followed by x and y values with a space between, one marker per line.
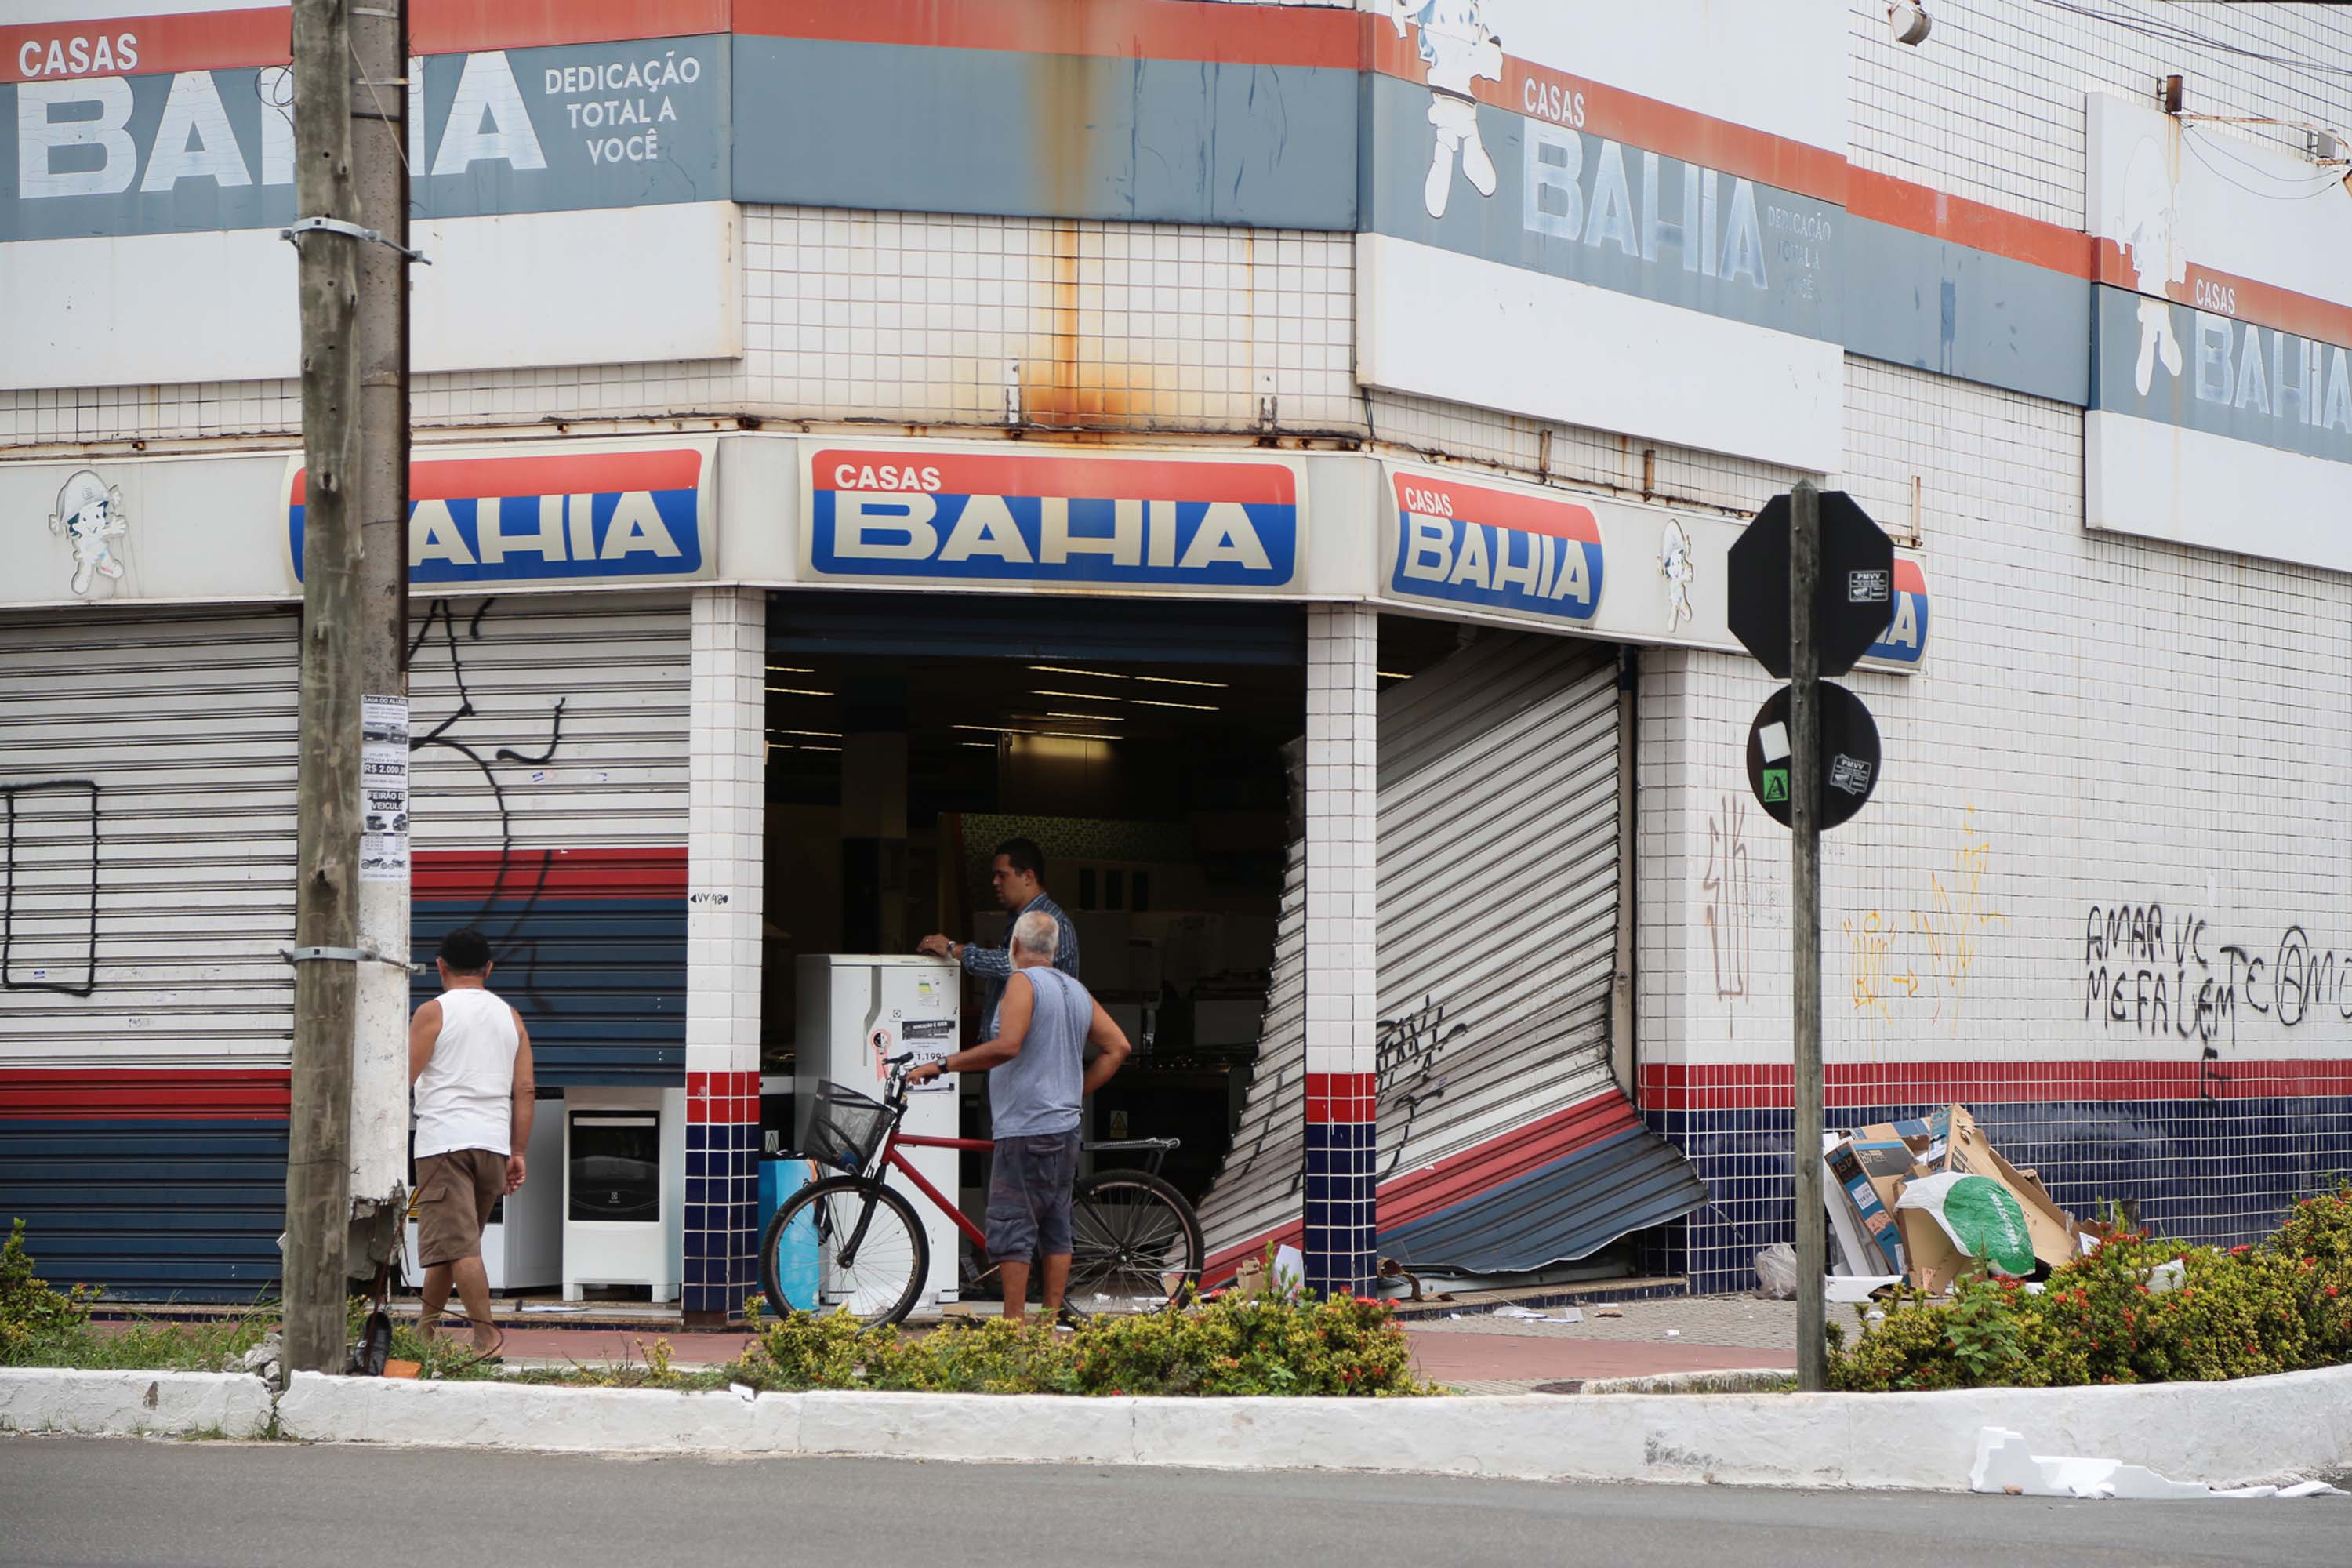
pixel 1990 107
pixel 1342 837
pixel 725 858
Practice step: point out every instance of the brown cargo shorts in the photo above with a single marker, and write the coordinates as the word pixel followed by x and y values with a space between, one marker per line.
pixel 454 1195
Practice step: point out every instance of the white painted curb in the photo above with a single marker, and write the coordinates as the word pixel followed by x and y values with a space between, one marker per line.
pixel 133 1403
pixel 2299 1425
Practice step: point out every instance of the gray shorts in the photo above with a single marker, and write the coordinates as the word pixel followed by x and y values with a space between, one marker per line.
pixel 1029 1197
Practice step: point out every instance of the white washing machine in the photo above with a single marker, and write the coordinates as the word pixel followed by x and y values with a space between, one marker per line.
pixel 522 1245
pixel 623 1189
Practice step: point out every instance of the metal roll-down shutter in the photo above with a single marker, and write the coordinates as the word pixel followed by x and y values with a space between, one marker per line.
pixel 147 780
pixel 1506 1143
pixel 549 802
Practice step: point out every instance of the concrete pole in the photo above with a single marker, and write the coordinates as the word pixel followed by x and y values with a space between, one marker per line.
pixel 1805 924
pixel 379 1125
pixel 318 1175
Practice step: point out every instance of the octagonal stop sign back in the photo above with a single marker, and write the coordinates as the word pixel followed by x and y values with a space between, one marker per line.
pixel 1852 603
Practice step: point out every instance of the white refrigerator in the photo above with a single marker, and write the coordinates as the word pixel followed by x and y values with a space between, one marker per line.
pixel 858 1010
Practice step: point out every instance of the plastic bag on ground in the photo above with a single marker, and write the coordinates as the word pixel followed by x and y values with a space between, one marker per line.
pixel 1775 1271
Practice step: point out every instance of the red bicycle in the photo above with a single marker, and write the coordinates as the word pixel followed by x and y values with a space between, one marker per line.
pixel 1134 1239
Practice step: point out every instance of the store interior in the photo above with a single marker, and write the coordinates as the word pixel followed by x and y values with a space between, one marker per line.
pixel 1141 749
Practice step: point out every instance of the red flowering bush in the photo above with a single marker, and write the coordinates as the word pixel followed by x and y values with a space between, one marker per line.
pixel 2140 1309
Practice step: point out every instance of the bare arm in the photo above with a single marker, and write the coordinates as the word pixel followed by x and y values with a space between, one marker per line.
pixel 1012 1017
pixel 1109 1041
pixel 423 1033
pixel 525 1104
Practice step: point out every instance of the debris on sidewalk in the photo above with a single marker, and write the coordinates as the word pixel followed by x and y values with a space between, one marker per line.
pixel 2006 1463
pixel 1607 1312
pixel 1890 1198
pixel 1776 1272
pixel 1524 1314
pixel 1852 1289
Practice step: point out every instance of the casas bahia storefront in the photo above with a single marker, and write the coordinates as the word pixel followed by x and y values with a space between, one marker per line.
pixel 1323 562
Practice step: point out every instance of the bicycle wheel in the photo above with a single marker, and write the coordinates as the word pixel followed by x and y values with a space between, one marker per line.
pixel 1134 1239
pixel 880 1282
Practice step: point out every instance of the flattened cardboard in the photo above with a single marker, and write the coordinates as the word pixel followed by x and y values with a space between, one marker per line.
pixel 1935 1262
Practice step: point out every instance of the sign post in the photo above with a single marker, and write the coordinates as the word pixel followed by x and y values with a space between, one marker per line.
pixel 1812 587
pixel 1805 934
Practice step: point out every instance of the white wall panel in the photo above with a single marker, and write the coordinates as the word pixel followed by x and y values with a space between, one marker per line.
pixel 1479 333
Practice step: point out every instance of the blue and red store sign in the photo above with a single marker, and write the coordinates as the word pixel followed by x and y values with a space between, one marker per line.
pixel 582 516
pixel 964 517
pixel 1497 550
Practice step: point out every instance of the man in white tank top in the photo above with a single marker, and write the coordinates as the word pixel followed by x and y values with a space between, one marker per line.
pixel 469 1065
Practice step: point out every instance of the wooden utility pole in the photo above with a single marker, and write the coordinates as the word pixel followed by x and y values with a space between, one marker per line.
pixel 318 1175
pixel 379 1136
pixel 1805 924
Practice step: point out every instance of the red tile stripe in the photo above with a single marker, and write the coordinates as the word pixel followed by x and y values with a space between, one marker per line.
pixel 1342 1097
pixel 723 1098
pixel 1747 1086
pixel 654 871
pixel 135 1094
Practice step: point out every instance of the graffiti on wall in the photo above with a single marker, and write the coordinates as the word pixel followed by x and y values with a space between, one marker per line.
pixel 48 814
pixel 1730 903
pixel 1929 952
pixel 519 877
pixel 2169 976
pixel 1410 1052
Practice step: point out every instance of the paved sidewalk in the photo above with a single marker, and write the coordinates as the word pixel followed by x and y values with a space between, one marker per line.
pixel 1479 1353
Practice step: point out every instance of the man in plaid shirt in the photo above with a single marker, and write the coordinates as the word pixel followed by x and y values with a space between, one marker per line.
pixel 1018 874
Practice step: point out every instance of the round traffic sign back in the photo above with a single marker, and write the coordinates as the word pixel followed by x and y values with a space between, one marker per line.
pixel 1849 760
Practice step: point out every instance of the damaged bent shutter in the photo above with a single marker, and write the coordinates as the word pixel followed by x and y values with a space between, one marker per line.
pixel 1506 1144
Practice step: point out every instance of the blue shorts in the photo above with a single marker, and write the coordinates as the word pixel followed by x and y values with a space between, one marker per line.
pixel 1029 1197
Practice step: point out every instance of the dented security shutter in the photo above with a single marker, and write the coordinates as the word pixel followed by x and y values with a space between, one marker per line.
pixel 1506 1143
pixel 550 800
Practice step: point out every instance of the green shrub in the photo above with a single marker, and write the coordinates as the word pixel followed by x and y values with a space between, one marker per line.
pixel 33 1316
pixel 2105 1318
pixel 1226 1347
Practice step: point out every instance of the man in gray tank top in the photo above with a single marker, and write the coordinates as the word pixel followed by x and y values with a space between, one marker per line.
pixel 1044 1025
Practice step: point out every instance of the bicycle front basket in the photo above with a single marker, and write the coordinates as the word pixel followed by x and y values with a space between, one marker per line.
pixel 844 1127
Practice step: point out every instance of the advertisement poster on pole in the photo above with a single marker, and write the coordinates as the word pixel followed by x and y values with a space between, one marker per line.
pixel 383 789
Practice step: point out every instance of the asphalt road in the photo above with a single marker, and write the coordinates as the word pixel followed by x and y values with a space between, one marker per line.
pixel 255 1505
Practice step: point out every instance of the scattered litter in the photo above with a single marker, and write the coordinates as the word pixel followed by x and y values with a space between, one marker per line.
pixel 1857 1289
pixel 1289 1269
pixel 2167 1277
pixel 1566 1315
pixel 1776 1272
pixel 2006 1464
pixel 549 1308
pixel 1607 1312
pixel 1456 1317
pixel 742 1391
pixel 1673 1333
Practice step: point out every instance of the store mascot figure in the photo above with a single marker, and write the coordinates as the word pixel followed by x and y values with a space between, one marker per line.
pixel 89 512
pixel 1458 50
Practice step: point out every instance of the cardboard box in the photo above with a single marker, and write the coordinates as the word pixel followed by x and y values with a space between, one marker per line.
pixel 1872 1219
pixel 1951 1141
